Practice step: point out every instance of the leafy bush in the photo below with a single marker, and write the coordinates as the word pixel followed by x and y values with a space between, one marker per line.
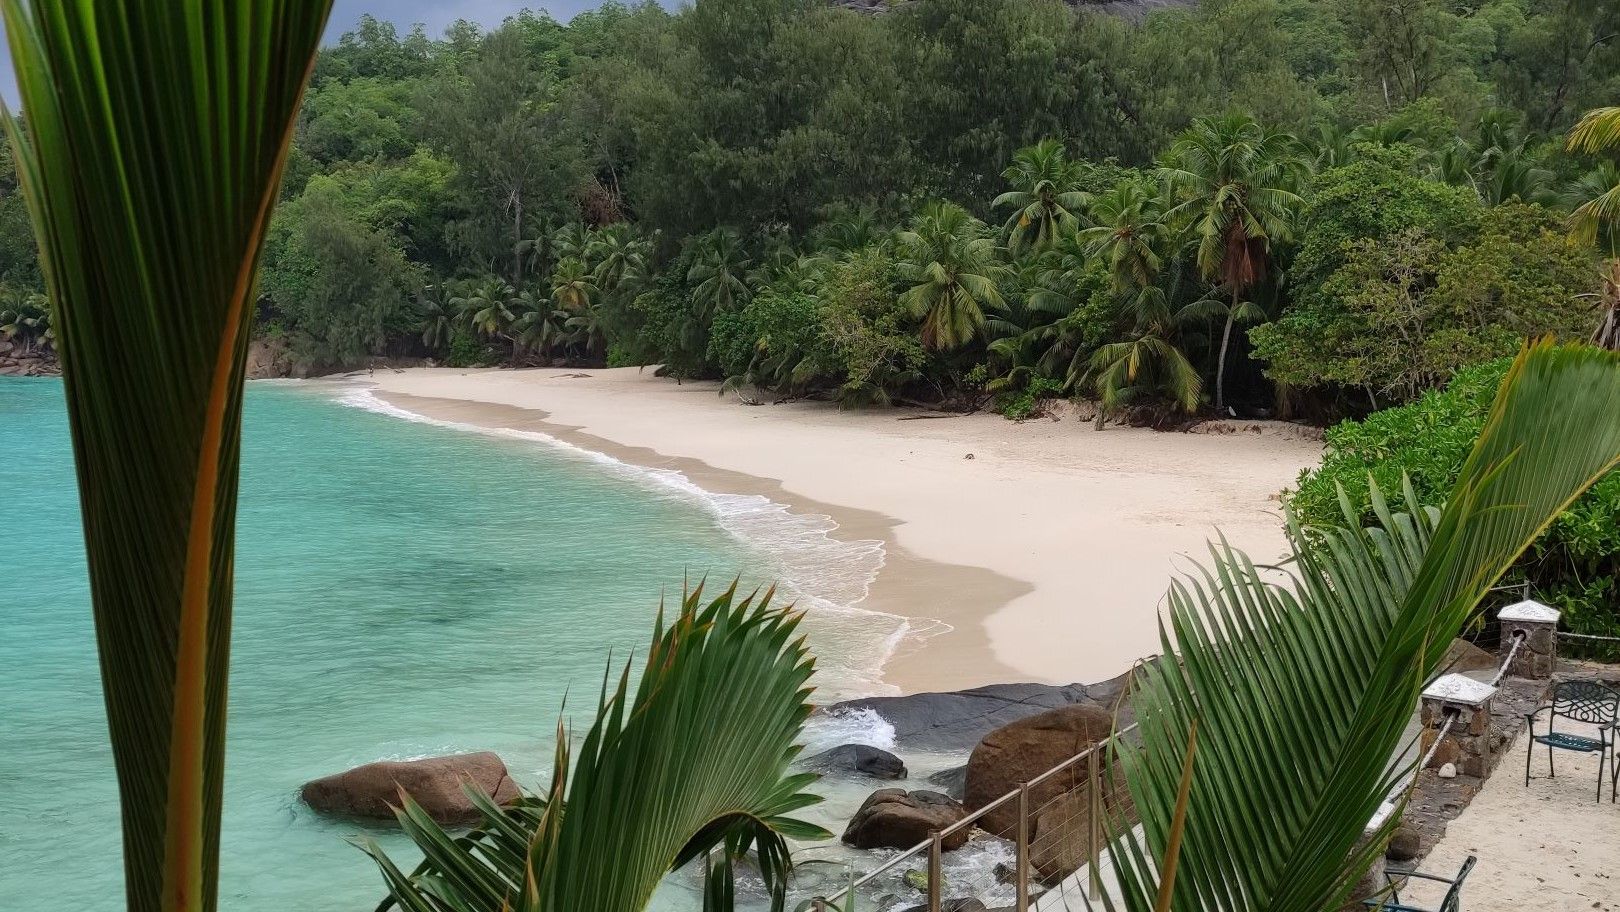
pixel 1576 563
pixel 1026 403
pixel 775 342
pixel 466 350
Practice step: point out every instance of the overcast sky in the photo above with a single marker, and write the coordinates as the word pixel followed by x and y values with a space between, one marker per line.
pixel 435 14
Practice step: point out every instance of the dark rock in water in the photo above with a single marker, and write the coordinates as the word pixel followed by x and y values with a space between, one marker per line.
pixel 371 791
pixel 957 720
pixel 897 819
pixel 859 758
pixel 960 904
pixel 1404 845
pixel 1019 752
pixel 950 781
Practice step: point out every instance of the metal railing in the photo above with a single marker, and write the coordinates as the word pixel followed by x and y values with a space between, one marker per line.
pixel 1047 840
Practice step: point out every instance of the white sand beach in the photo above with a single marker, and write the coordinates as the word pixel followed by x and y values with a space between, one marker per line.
pixel 1046 545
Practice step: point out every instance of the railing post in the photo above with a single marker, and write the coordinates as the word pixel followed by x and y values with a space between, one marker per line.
pixel 1093 822
pixel 1021 878
pixel 936 847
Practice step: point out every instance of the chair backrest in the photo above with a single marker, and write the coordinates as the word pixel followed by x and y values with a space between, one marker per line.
pixel 1586 701
pixel 1453 901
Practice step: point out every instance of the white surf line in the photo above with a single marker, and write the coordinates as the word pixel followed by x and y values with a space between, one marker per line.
pixel 802 543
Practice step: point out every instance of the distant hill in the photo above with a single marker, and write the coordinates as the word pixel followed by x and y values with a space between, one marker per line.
pixel 1130 9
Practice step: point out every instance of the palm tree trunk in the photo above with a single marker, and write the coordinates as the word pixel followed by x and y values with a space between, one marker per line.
pixel 1220 363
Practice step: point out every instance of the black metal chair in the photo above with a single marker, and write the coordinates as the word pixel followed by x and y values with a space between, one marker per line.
pixel 1452 902
pixel 1580 701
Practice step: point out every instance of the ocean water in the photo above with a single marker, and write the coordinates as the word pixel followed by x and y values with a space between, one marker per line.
pixel 404 588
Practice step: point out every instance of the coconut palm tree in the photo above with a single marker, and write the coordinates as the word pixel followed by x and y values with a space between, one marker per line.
pixel 437 316
pixel 1148 362
pixel 572 240
pixel 587 329
pixel 719 273
pixel 1235 181
pixel 1129 231
pixel 486 308
pixel 1598 130
pixel 157 132
pixel 618 253
pixel 1594 203
pixel 1263 749
pixel 572 288
pixel 1045 196
pixel 536 323
pixel 950 259
pixel 534 254
pixel 26 320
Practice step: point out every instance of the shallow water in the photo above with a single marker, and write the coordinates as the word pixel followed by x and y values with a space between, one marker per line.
pixel 403 589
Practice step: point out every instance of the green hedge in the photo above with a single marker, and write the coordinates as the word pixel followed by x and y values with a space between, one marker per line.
pixel 1576 564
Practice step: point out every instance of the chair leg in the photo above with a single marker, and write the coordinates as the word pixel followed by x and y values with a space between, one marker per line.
pixel 1529 753
pixel 1551 773
pixel 1602 756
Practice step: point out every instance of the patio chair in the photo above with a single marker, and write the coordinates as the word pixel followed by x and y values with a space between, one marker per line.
pixel 1452 902
pixel 1579 701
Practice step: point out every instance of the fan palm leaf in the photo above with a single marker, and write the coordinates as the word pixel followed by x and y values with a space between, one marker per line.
pixel 696 767
pixel 157 133
pixel 1300 693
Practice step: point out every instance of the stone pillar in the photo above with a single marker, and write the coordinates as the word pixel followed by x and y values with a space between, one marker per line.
pixel 1468 743
pixel 1539 624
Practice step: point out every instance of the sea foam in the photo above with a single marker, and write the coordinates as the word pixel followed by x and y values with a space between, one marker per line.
pixel 825 575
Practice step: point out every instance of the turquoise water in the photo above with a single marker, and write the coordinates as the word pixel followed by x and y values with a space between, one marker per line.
pixel 403 589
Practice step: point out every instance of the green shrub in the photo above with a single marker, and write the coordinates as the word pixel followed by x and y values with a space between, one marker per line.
pixel 1575 566
pixel 467 351
pixel 1026 403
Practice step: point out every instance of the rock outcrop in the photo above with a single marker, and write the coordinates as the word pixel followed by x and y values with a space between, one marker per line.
pixel 371 791
pixel 956 721
pixel 898 819
pixel 18 361
pixel 861 759
pixel 1019 752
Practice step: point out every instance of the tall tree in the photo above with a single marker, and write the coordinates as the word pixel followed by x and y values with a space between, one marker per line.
pixel 1236 181
pixel 157 134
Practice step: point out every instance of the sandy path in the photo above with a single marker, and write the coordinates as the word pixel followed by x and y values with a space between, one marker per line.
pixel 1045 545
pixel 1548 847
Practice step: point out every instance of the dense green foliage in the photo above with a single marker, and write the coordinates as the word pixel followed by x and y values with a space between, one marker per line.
pixel 1227 205
pixel 1575 565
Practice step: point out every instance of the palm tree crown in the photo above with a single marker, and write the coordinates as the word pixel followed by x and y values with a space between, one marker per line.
pixel 1045 196
pixel 950 259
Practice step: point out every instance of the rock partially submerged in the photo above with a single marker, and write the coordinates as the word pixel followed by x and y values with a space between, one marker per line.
pixel 951 781
pixel 897 819
pixel 370 792
pixel 956 721
pixel 861 759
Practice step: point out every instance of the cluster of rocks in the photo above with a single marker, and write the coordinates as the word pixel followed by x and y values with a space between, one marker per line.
pixel 1016 732
pixel 18 361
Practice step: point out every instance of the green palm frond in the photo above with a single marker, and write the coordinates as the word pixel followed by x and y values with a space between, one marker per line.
pixel 1598 130
pixel 696 767
pixel 1300 693
pixel 157 132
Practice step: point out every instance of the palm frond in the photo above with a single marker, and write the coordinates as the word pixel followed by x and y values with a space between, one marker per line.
pixel 157 132
pixel 695 767
pixel 1301 693
pixel 1598 129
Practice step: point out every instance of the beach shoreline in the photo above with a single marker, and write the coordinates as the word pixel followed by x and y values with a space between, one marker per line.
pixel 1044 547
